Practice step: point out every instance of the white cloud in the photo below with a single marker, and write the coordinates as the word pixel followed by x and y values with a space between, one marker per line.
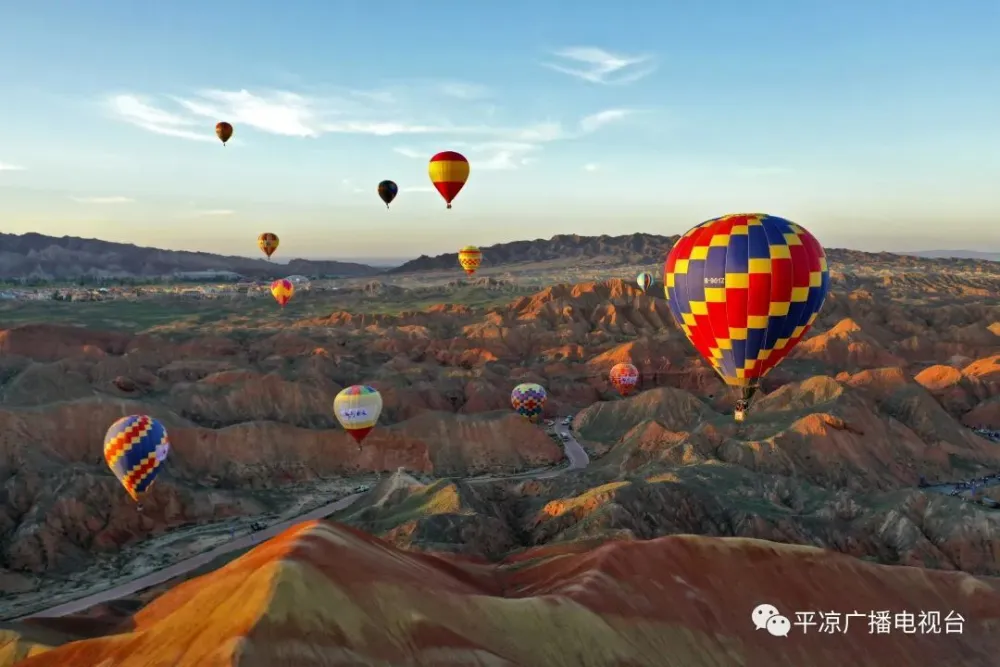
pixel 282 113
pixel 11 167
pixel 419 189
pixel 134 110
pixel 409 152
pixel 591 166
pixel 600 66
pixel 102 200
pixel 379 113
pixel 353 187
pixel 502 155
pixel 464 91
pixel 214 212
pixel 595 121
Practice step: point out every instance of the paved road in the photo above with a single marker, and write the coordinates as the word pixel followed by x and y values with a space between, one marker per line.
pixel 574 453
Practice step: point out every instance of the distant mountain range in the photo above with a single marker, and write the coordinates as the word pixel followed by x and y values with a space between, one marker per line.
pixel 48 258
pixel 955 254
pixel 630 249
pixel 40 257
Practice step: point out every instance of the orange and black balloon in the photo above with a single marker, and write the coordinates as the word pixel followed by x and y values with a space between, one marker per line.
pixel 224 131
pixel 388 190
pixel 268 243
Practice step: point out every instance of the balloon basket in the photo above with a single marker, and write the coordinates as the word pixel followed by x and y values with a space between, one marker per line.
pixel 739 415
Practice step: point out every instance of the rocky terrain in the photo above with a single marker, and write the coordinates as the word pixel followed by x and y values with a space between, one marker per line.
pixel 48 258
pixel 903 361
pixel 324 594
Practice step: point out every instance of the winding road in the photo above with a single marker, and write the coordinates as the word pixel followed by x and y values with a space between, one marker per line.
pixel 575 454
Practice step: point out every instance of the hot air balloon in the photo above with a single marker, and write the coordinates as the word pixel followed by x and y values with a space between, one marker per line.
pixel 528 400
pixel 282 290
pixel 224 131
pixel 745 289
pixel 135 448
pixel 268 243
pixel 357 408
pixel 387 190
pixel 448 171
pixel 470 258
pixel 645 280
pixel 624 377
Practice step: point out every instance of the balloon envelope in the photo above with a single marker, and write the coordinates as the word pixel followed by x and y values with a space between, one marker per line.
pixel 644 280
pixel 357 409
pixel 282 290
pixel 624 377
pixel 528 400
pixel 224 131
pixel 448 171
pixel 135 448
pixel 745 289
pixel 268 243
pixel 387 191
pixel 470 258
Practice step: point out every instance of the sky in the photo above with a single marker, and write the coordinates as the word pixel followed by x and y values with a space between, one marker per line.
pixel 872 123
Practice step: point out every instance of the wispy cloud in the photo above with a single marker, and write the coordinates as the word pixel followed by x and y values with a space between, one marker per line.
pixel 591 166
pixel 103 200
pixel 419 189
pixel 138 112
pixel 214 212
pixel 464 91
pixel 596 121
pixel 11 167
pixel 599 66
pixel 353 187
pixel 409 152
pixel 494 145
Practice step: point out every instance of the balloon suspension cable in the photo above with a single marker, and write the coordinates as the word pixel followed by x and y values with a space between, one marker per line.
pixel 387 207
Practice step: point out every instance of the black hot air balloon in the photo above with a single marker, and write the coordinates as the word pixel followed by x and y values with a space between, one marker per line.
pixel 387 190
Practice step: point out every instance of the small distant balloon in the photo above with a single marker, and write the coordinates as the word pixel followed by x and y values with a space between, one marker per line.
pixel 448 171
pixel 268 243
pixel 282 290
pixel 135 448
pixel 644 280
pixel 357 408
pixel 528 400
pixel 224 131
pixel 624 377
pixel 470 257
pixel 387 190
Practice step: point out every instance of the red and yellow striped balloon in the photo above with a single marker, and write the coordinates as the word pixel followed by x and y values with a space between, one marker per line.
pixel 470 258
pixel 282 290
pixel 448 171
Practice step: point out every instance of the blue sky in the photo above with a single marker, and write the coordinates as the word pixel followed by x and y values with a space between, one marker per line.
pixel 874 124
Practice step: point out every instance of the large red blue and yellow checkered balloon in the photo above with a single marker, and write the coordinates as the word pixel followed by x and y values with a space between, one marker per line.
pixel 745 289
pixel 135 448
pixel 528 400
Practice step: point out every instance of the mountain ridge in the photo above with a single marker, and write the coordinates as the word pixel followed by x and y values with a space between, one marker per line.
pixel 49 258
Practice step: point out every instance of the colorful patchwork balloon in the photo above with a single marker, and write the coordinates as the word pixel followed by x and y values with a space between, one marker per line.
pixel 357 408
pixel 745 289
pixel 528 400
pixel 135 448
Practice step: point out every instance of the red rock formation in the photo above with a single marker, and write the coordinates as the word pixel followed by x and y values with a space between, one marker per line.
pixel 323 594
